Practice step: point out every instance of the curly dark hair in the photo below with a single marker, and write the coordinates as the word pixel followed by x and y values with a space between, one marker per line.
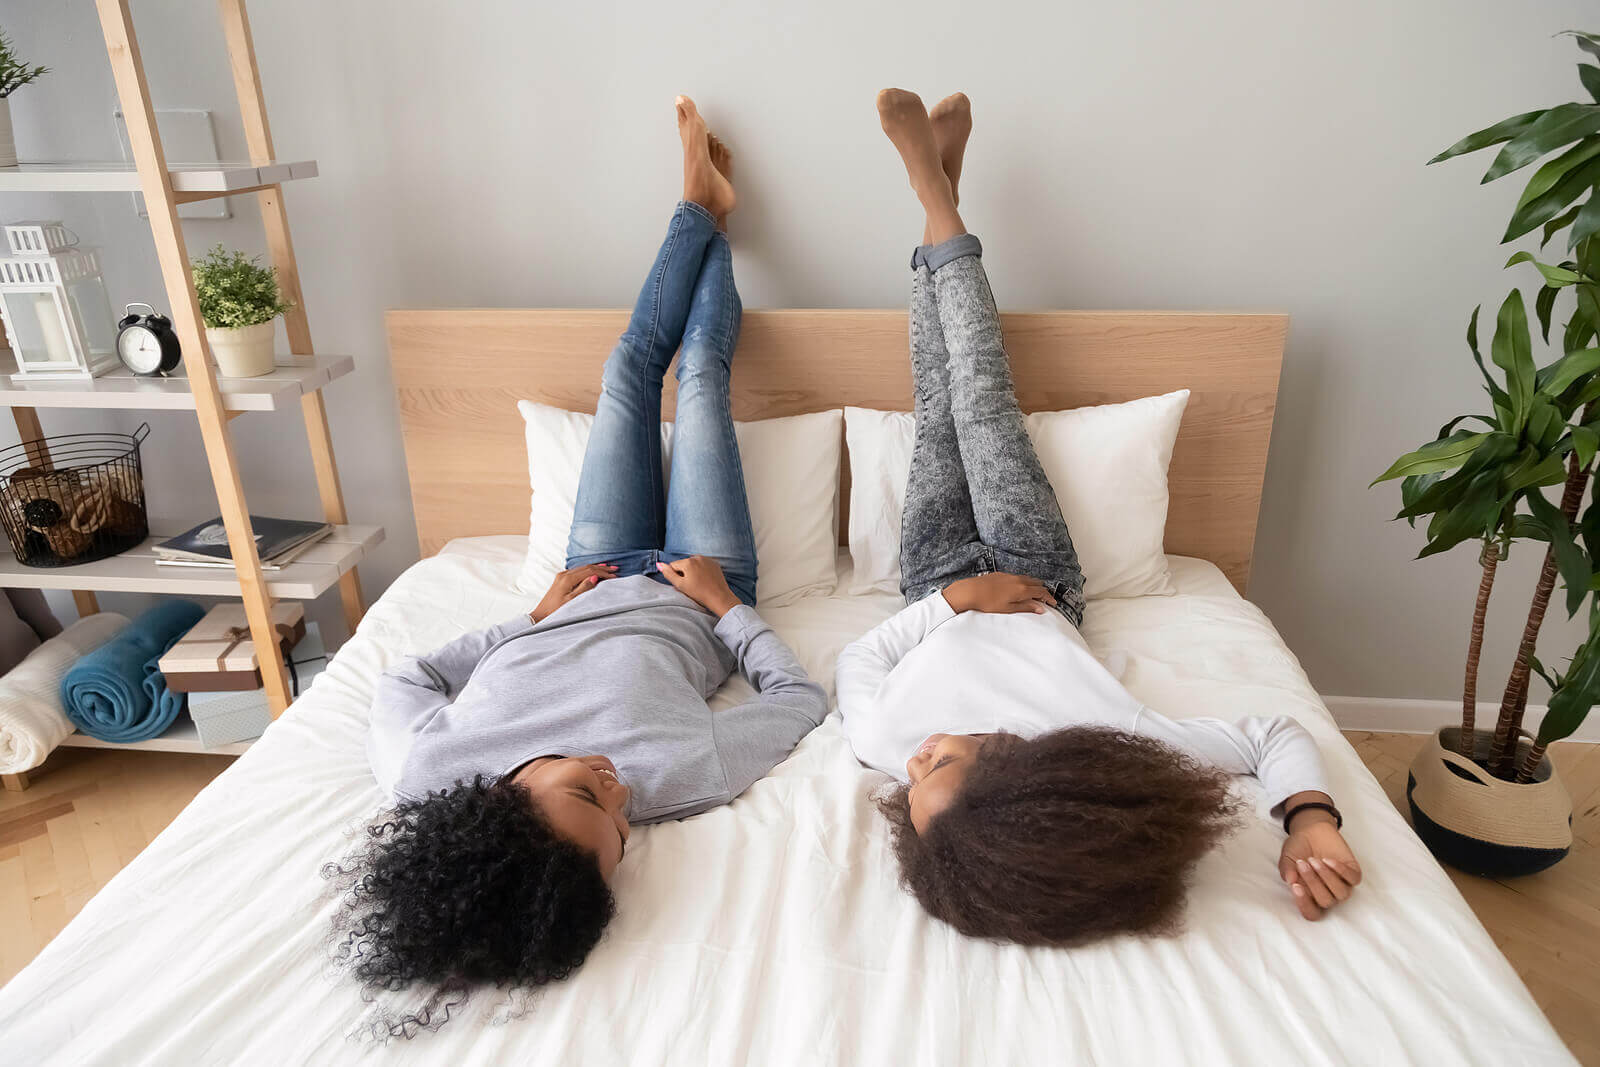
pixel 471 885
pixel 1064 839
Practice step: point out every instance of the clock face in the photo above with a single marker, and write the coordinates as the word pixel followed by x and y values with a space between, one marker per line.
pixel 140 349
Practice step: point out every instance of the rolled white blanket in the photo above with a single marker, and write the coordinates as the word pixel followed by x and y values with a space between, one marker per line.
pixel 32 719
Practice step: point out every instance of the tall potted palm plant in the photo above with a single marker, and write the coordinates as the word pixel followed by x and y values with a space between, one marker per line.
pixel 1492 801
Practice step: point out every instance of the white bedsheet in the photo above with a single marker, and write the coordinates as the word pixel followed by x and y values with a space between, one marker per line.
pixel 772 931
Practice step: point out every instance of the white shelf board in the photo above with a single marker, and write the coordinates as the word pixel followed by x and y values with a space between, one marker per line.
pixel 181 736
pixel 123 389
pixel 120 177
pixel 135 571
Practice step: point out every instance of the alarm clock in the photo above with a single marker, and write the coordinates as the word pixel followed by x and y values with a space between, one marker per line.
pixel 146 344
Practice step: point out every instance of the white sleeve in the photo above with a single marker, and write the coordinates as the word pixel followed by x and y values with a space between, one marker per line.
pixel 867 661
pixel 1281 754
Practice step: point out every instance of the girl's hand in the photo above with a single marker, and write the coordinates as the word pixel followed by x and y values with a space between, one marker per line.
pixel 700 579
pixel 569 584
pixel 998 593
pixel 1317 864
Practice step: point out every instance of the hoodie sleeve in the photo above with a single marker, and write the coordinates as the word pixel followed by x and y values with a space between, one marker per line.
pixel 409 694
pixel 1278 751
pixel 756 736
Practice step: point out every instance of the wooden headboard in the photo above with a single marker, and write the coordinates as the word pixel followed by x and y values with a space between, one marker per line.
pixel 459 374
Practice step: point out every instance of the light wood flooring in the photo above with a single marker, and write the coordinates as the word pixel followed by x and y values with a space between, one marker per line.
pixel 91 811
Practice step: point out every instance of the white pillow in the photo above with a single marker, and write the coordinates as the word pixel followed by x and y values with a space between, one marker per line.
pixel 1107 464
pixel 791 474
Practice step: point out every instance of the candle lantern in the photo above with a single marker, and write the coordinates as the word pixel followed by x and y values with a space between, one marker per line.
pixel 53 302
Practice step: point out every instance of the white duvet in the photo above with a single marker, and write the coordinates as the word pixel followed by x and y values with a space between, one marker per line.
pixel 772 931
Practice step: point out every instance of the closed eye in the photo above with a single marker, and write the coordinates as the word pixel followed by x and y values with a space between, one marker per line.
pixel 942 761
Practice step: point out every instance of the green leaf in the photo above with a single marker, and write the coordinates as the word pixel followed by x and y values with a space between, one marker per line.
pixel 1528 528
pixel 1580 330
pixel 1476 517
pixel 1560 277
pixel 1585 442
pixel 1553 681
pixel 1550 228
pixel 1543 305
pixel 1532 470
pixel 1560 125
pixel 1559 376
pixel 1544 423
pixel 1589 74
pixel 1586 223
pixel 1546 177
pixel 1588 306
pixel 1579 690
pixel 1434 456
pixel 1589 42
pixel 1544 208
pixel 1445 494
pixel 1413 488
pixel 1491 135
pixel 1512 352
pixel 1572 561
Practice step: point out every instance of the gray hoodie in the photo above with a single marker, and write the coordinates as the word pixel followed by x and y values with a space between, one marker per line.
pixel 622 671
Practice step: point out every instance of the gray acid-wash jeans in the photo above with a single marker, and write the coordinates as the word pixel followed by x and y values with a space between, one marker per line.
pixel 977 499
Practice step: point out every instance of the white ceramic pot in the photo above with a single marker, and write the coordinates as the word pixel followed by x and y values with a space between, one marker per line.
pixel 8 143
pixel 243 351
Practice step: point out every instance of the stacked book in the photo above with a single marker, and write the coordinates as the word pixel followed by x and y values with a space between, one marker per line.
pixel 278 542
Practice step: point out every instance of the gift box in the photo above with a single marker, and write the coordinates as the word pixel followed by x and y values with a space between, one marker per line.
pixel 222 718
pixel 218 654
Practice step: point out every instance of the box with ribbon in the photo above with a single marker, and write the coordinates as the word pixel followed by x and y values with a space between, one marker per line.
pixel 218 654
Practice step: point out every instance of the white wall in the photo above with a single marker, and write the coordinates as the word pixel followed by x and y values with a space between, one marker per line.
pixel 1248 154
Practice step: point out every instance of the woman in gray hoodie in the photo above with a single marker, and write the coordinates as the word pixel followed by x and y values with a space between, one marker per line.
pixel 519 757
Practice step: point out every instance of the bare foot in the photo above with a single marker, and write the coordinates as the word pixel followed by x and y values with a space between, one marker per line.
pixel 908 127
pixel 722 159
pixel 704 182
pixel 951 119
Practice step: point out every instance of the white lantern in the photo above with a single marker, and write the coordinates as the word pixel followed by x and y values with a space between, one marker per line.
pixel 53 302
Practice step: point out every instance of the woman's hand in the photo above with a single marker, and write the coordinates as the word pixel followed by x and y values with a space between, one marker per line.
pixel 700 579
pixel 998 593
pixel 1317 864
pixel 569 584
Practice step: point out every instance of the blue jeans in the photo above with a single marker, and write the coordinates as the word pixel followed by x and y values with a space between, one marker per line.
pixel 977 499
pixel 624 514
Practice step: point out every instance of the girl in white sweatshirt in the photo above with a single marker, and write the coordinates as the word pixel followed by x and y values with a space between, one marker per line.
pixel 1039 802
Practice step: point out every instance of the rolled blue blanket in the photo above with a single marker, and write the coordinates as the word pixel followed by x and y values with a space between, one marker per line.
pixel 117 693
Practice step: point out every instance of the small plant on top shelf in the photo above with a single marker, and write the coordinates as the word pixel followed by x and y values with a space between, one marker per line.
pixel 239 298
pixel 14 74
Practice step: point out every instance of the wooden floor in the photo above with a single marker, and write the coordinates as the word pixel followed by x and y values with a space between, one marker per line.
pixel 94 810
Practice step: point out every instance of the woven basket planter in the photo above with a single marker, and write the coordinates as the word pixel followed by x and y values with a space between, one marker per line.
pixel 1481 824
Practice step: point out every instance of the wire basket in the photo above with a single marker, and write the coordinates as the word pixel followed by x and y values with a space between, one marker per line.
pixel 73 498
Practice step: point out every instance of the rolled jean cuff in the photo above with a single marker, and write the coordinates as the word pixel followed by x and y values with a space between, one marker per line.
pixel 935 256
pixel 690 205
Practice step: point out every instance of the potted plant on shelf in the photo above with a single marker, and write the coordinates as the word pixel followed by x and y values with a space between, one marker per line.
pixel 239 298
pixel 14 74
pixel 1491 802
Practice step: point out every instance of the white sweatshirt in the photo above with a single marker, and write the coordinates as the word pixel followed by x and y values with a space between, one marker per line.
pixel 928 670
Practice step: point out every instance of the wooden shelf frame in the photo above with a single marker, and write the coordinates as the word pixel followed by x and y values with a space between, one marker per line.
pixel 214 401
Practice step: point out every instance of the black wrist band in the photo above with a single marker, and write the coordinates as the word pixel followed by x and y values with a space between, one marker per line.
pixel 1288 816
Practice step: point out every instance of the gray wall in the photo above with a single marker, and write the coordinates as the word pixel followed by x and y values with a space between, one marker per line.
pixel 1252 154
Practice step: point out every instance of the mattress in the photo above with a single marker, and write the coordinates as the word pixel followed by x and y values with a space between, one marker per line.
pixel 772 930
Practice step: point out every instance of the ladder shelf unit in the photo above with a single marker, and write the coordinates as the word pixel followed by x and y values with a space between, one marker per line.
pixel 214 401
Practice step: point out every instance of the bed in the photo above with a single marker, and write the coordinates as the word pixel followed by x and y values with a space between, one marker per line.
pixel 772 931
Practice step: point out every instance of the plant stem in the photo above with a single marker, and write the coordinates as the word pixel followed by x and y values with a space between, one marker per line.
pixel 1502 754
pixel 1531 763
pixel 1490 560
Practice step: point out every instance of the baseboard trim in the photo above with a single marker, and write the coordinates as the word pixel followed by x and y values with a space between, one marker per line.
pixel 1399 716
